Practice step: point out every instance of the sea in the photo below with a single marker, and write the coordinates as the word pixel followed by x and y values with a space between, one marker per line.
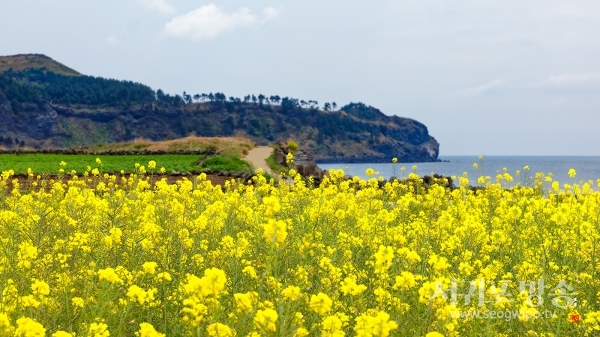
pixel 586 167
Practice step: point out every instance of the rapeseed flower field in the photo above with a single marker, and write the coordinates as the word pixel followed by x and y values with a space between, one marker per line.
pixel 111 255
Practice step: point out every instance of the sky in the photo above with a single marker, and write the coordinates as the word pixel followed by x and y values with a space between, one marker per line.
pixel 486 77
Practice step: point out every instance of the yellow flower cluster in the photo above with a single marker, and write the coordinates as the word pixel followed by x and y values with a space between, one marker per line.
pixel 118 256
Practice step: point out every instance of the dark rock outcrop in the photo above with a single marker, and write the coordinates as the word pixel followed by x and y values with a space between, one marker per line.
pixel 304 162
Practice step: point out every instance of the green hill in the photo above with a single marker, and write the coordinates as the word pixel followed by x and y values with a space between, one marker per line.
pixel 40 107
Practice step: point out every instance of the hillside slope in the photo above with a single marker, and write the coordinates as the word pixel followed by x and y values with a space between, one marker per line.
pixel 34 61
pixel 40 108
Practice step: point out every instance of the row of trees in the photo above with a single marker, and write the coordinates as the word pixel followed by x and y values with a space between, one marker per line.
pixel 260 99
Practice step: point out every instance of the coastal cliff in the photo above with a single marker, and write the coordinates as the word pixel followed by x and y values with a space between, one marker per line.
pixel 40 108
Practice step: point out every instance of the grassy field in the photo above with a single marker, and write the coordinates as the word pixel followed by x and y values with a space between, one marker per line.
pixel 230 150
pixel 226 161
pixel 50 163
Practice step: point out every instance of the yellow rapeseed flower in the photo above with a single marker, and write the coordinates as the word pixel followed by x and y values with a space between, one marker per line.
pixel 246 301
pixel 572 173
pixel 332 327
pixel 219 330
pixel 109 275
pixel 98 330
pixel 434 334
pixel 250 271
pixel 349 286
pixel 338 253
pixel 275 231
pixel 377 325
pixel 384 257
pixel 149 267
pixel 266 320
pixel 62 333
pixel 78 302
pixel 4 321
pixel 320 303
pixel 164 276
pixel 27 327
pixel 301 332
pixel 273 205
pixel 139 295
pixel 291 293
pixel 147 330
pixel 40 288
pixel 406 280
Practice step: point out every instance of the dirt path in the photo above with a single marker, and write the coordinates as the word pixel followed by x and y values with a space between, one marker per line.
pixel 258 157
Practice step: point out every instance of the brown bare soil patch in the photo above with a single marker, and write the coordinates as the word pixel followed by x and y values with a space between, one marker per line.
pixel 192 143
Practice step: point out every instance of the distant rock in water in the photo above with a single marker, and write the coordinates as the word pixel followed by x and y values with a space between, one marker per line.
pixel 304 162
pixel 45 104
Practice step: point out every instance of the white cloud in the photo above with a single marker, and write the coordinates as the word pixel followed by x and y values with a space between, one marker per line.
pixel 112 40
pixel 569 80
pixel 159 6
pixel 480 89
pixel 207 22
pixel 270 13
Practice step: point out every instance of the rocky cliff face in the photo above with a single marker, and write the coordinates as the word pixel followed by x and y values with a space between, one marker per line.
pixel 37 124
pixel 330 136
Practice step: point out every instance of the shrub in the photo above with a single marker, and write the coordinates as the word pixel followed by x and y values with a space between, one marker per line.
pixel 292 145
